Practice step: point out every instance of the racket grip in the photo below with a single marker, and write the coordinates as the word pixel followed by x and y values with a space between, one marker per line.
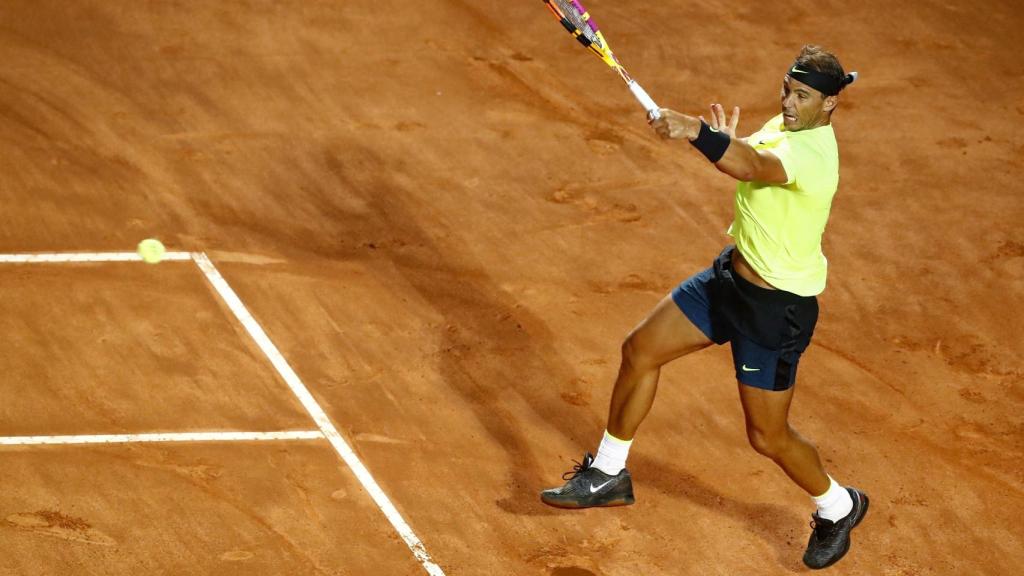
pixel 645 100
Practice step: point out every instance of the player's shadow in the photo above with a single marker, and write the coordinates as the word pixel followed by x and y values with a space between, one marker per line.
pixel 487 358
pixel 769 522
pixel 487 354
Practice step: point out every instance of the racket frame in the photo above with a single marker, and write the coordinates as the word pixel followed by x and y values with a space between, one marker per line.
pixel 604 54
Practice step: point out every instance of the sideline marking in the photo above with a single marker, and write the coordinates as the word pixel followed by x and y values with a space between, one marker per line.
pixel 160 437
pixel 65 257
pixel 317 413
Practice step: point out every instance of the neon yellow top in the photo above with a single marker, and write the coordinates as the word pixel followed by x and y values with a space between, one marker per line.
pixel 778 227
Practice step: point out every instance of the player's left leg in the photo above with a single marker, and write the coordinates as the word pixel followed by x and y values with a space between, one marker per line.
pixel 766 411
pixel 769 432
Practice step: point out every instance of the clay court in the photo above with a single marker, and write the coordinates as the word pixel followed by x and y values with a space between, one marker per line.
pixel 443 217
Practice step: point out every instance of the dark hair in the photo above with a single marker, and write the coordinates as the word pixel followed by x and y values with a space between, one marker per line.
pixel 820 60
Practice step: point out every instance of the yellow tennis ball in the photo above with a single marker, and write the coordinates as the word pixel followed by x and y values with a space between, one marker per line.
pixel 151 250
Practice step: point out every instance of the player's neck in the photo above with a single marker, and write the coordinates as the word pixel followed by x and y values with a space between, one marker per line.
pixel 827 121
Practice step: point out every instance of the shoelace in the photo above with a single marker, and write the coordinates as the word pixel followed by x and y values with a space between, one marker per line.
pixel 578 469
pixel 823 530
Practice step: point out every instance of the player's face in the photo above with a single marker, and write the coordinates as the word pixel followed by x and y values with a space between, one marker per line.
pixel 804 107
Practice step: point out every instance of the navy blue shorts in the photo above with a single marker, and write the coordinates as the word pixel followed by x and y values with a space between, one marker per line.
pixel 704 300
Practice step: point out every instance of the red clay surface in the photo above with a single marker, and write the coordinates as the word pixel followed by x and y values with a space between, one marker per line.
pixel 112 348
pixel 447 215
pixel 200 509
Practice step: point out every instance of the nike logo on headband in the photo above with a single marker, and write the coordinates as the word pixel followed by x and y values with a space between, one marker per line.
pixel 797 70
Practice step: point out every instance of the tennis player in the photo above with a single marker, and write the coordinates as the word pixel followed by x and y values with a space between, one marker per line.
pixel 759 295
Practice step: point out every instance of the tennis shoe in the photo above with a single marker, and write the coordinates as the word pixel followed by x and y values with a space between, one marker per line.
pixel 587 487
pixel 830 541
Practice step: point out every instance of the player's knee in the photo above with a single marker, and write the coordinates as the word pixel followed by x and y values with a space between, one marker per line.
pixel 634 353
pixel 769 444
pixel 630 351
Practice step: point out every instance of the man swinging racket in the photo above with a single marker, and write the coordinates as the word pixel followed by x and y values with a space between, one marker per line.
pixel 759 295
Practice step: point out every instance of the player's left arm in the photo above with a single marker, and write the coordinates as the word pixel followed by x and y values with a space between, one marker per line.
pixel 739 160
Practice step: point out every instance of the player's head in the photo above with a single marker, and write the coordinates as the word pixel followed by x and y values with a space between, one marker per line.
pixel 810 89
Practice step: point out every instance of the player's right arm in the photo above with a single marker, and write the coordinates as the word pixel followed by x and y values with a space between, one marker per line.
pixel 740 160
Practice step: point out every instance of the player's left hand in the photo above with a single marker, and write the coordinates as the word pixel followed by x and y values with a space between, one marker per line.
pixel 719 121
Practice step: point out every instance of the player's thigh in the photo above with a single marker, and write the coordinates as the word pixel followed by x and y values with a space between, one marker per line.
pixel 766 411
pixel 664 335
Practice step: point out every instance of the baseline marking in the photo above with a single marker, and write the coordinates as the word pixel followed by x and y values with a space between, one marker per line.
pixel 316 412
pixel 161 437
pixel 66 257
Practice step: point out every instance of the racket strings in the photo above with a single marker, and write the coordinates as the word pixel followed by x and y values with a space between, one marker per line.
pixel 572 14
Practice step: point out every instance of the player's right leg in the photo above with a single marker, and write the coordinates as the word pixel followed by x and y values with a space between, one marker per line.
pixel 664 335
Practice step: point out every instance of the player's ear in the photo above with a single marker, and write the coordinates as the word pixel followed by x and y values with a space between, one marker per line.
pixel 829 103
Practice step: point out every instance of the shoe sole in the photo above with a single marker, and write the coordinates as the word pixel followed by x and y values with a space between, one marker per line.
pixel 849 541
pixel 576 506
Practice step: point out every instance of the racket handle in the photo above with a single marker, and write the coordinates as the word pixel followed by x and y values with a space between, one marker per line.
pixel 645 100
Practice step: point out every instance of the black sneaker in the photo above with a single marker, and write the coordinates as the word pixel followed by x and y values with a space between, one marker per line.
pixel 587 486
pixel 831 540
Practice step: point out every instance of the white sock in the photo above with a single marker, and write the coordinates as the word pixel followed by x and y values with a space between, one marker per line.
pixel 611 454
pixel 835 504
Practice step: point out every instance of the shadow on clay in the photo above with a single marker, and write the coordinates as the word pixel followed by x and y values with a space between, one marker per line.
pixel 482 322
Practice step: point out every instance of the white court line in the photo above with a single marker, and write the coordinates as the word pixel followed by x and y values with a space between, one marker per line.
pixel 318 414
pixel 86 257
pixel 160 437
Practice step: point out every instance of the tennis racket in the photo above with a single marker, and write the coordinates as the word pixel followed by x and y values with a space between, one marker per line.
pixel 577 21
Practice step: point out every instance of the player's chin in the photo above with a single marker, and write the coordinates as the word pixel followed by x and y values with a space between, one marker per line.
pixel 790 122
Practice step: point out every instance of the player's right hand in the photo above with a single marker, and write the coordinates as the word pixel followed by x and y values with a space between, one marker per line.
pixel 675 126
